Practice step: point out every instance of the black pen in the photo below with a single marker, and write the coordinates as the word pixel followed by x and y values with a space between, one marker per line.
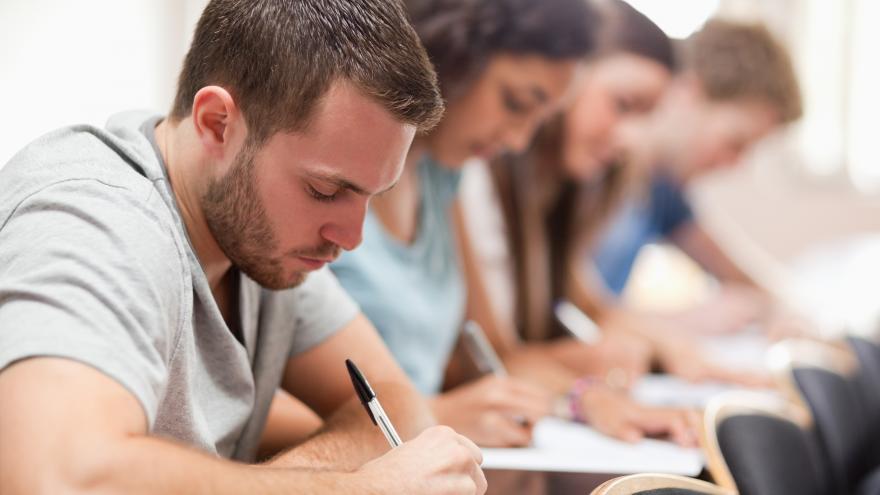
pixel 371 404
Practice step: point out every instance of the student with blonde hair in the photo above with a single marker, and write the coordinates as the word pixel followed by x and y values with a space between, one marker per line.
pixel 739 86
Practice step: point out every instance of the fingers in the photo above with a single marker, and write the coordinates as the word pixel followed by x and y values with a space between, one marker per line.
pixel 625 431
pixel 475 451
pixel 516 399
pixel 680 432
pixel 620 428
pixel 527 392
pixel 479 479
pixel 518 409
pixel 505 431
pixel 678 424
pixel 606 411
pixel 473 458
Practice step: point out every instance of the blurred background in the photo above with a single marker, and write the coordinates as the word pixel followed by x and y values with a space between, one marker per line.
pixel 803 215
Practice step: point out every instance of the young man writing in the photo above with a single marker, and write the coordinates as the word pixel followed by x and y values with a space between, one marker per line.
pixel 154 275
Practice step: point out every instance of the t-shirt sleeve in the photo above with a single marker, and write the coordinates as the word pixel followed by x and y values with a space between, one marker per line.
pixel 88 272
pixel 318 309
pixel 669 206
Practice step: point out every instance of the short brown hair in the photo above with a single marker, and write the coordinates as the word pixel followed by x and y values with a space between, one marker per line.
pixel 278 58
pixel 744 61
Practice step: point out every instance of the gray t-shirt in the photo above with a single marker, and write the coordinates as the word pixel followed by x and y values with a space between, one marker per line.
pixel 96 266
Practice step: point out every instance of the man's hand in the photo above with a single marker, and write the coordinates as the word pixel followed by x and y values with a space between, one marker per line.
pixel 348 438
pixel 437 462
pixel 68 428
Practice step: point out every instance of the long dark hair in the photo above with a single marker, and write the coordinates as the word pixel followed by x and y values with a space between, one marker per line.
pixel 626 30
pixel 547 236
pixel 461 36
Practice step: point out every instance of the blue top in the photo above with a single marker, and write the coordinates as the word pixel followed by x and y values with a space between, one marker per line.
pixel 414 294
pixel 639 223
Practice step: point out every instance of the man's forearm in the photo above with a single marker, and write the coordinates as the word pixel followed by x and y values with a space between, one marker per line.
pixel 702 248
pixel 348 438
pixel 147 465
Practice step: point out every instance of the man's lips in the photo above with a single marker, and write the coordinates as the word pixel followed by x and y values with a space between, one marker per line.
pixel 315 263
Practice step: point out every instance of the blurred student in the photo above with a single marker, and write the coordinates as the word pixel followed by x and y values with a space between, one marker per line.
pixel 160 276
pixel 527 220
pixel 503 66
pixel 739 86
pixel 557 209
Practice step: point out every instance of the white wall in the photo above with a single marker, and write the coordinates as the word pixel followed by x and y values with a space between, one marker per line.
pixel 65 62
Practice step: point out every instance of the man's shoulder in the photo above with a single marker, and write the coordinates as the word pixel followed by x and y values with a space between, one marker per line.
pixel 83 165
pixel 87 184
pixel 79 152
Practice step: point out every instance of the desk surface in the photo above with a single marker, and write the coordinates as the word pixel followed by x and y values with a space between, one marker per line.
pixel 566 447
pixel 560 446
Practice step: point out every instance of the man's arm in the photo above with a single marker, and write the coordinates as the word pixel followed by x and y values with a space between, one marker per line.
pixel 289 423
pixel 696 243
pixel 319 378
pixel 67 428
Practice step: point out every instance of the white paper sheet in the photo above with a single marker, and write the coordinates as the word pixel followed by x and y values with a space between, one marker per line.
pixel 561 446
pixel 744 350
pixel 669 391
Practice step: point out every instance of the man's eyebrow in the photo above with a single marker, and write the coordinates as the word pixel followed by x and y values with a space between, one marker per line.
pixel 343 183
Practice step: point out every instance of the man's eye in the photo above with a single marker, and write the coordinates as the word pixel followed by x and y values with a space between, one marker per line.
pixel 318 195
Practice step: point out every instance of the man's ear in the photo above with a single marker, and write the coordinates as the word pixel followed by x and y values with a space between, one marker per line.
pixel 217 121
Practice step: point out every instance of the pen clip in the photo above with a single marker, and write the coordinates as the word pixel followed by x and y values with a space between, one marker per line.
pixel 362 387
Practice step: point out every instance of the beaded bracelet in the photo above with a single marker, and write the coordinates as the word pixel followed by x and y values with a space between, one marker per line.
pixel 575 398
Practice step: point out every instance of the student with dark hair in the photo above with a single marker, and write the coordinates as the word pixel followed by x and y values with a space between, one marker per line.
pixel 528 219
pixel 503 67
pixel 161 277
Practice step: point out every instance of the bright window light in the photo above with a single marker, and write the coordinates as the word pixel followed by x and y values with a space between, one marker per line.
pixel 864 162
pixel 677 18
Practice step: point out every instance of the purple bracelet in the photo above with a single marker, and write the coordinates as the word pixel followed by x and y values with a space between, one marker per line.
pixel 575 396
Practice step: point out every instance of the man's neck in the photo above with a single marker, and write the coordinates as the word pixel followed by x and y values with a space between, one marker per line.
pixel 183 172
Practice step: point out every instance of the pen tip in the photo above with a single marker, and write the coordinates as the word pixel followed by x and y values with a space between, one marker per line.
pixel 361 386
